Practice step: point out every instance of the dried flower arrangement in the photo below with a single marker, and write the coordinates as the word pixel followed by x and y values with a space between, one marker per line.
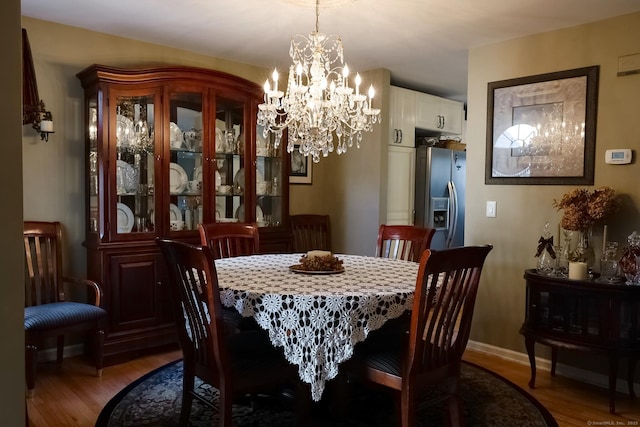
pixel 583 208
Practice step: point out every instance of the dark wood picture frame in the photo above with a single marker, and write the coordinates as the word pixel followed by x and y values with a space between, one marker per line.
pixel 301 168
pixel 541 129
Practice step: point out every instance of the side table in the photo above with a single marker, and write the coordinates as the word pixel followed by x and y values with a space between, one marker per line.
pixel 583 315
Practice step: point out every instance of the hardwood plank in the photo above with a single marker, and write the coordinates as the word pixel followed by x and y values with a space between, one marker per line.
pixel 71 395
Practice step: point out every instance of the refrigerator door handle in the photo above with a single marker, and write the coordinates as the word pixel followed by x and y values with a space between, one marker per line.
pixel 453 213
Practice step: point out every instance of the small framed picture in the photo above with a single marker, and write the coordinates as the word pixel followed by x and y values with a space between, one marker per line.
pixel 301 167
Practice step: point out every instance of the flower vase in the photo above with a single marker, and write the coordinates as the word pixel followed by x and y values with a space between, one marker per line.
pixel 584 250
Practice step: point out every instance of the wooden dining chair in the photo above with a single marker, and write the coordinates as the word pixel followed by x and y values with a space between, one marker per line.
pixel 310 232
pixel 431 353
pixel 405 242
pixel 230 239
pixel 236 364
pixel 47 312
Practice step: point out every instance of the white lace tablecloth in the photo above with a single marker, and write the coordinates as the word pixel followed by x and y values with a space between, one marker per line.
pixel 317 319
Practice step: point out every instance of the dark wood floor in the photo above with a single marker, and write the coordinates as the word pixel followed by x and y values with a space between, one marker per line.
pixel 71 395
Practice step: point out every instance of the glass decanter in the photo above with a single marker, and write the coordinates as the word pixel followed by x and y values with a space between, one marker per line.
pixel 545 253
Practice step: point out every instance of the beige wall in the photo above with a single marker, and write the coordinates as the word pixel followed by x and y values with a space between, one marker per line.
pixel 12 384
pixel 351 187
pixel 522 210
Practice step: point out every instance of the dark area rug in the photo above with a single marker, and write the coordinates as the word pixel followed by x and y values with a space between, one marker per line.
pixel 154 400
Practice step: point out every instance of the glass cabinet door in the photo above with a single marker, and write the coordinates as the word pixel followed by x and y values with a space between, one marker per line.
pixel 134 133
pixel 185 138
pixel 93 184
pixel 230 178
pixel 269 180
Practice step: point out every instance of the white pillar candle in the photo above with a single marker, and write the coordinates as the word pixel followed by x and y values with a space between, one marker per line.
pixel 578 270
pixel 317 253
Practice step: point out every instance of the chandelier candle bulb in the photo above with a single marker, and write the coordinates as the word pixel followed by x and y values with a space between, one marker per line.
pixel 275 80
pixel 371 93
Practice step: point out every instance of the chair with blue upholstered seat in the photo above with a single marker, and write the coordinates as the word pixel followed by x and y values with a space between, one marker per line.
pixel 47 312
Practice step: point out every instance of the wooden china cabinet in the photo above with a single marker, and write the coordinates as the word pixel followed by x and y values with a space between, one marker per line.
pixel 168 148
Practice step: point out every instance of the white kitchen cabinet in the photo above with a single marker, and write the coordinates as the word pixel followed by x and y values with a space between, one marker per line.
pixel 401 185
pixel 403 119
pixel 438 114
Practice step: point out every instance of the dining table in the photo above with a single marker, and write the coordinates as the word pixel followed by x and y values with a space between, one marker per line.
pixel 317 317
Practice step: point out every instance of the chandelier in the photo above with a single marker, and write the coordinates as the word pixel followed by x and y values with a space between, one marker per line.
pixel 319 101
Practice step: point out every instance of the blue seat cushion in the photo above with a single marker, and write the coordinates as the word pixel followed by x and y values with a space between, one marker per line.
pixel 60 314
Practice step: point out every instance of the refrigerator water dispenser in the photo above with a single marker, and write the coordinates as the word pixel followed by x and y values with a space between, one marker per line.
pixel 439 213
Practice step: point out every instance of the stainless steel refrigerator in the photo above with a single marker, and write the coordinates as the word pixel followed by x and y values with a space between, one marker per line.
pixel 440 194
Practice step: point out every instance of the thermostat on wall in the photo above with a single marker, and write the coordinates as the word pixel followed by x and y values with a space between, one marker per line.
pixel 618 156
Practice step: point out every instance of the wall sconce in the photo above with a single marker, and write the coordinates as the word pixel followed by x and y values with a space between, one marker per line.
pixel 33 110
pixel 40 119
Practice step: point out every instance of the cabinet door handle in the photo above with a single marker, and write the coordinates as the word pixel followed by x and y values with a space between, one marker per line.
pixel 395 136
pixel 400 140
pixel 442 122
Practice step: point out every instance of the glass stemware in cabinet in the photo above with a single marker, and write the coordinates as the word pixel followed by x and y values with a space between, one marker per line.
pixel 269 178
pixel 186 160
pixel 134 164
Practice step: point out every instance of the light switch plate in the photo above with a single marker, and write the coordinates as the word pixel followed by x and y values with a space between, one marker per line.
pixel 491 209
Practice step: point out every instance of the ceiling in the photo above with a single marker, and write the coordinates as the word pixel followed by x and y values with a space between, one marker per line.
pixel 424 43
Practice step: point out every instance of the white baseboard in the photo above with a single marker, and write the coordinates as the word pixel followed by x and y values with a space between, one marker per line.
pixel 577 374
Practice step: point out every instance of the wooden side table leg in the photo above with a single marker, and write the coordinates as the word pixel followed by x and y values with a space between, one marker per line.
pixel 554 360
pixel 613 376
pixel 530 344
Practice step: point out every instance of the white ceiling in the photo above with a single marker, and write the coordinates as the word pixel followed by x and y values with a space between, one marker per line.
pixel 424 43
